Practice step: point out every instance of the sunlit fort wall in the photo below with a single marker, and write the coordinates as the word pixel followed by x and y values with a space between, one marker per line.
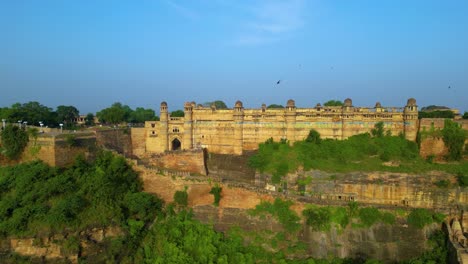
pixel 232 131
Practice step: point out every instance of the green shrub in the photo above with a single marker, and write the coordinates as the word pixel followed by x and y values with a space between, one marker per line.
pixel 420 217
pixel 388 218
pixel 369 215
pixel 454 138
pixel 181 197
pixel 280 210
pixel 216 192
pixel 14 140
pixel 442 183
pixel 318 218
pixel 462 180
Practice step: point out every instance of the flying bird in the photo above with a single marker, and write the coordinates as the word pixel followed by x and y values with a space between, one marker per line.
pixel 449 87
pixel 278 82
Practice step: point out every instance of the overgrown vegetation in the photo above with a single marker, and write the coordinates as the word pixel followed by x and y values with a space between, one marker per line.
pixel 280 210
pixel 216 192
pixel 322 218
pixel 421 217
pixel 454 138
pixel 14 140
pixel 363 152
pixel 181 197
pixel 38 199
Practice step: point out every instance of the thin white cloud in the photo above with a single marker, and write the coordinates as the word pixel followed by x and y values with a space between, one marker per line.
pixel 184 11
pixel 271 20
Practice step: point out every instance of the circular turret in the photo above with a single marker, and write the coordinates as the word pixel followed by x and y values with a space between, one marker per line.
pixel 318 105
pixel 411 102
pixel 348 102
pixel 193 103
pixel 238 104
pixel 187 104
pixel 163 104
pixel 263 105
pixel 378 105
pixel 291 103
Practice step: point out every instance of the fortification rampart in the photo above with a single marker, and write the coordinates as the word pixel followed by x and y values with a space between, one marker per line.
pixel 233 131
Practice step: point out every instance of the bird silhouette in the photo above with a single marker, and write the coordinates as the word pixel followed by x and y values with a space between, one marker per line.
pixel 278 82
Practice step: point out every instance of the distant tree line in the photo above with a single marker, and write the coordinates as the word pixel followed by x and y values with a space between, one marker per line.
pixel 118 113
pixel 33 113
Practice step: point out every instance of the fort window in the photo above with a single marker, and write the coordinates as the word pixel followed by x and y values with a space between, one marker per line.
pixel 152 125
pixel 175 130
pixel 176 144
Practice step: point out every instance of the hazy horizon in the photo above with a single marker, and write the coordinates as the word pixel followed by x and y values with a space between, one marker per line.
pixel 90 54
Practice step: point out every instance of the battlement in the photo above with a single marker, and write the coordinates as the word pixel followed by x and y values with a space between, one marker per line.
pixel 234 130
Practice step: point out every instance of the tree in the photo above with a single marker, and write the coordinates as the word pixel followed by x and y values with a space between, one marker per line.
pixel 465 115
pixel 313 137
pixel 140 115
pixel 14 140
pixel 31 112
pixel 333 103
pixel 454 138
pixel 177 113
pixel 67 114
pixel 89 119
pixel 378 130
pixel 275 106
pixel 115 114
pixel 218 104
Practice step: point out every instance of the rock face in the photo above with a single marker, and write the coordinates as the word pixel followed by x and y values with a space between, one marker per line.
pixel 384 242
pixel 388 243
pixel 52 248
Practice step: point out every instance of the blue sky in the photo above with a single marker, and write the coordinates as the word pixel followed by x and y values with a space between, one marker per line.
pixel 92 53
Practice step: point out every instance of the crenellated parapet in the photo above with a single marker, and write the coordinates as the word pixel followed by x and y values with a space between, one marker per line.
pixel 232 131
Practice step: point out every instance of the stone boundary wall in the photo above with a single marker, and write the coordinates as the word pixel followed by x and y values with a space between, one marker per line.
pixel 118 139
pixel 191 161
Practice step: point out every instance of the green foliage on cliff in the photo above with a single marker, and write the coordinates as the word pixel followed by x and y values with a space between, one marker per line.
pixel 14 140
pixel 38 199
pixel 421 217
pixel 360 152
pixel 454 138
pixel 216 192
pixel 181 197
pixel 280 210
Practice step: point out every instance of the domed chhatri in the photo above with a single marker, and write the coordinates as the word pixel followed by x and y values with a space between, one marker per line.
pixel 238 104
pixel 348 102
pixel 291 103
pixel 163 103
pixel 411 102
pixel 378 105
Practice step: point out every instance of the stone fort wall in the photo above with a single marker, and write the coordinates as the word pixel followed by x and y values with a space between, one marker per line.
pixel 233 131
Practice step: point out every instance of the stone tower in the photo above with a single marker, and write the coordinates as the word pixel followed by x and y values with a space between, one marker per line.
pixel 347 118
pixel 164 127
pixel 290 118
pixel 410 119
pixel 188 125
pixel 238 127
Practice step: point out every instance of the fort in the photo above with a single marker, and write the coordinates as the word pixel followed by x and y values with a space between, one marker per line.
pixel 233 131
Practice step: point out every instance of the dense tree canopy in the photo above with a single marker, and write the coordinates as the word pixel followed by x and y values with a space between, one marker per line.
pixel 67 114
pixel 273 106
pixel 14 140
pixel 31 112
pixel 465 115
pixel 436 114
pixel 454 138
pixel 119 113
pixel 177 113
pixel 218 104
pixel 333 103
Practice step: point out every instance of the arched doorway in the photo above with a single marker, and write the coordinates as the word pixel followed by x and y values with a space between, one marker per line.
pixel 175 144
